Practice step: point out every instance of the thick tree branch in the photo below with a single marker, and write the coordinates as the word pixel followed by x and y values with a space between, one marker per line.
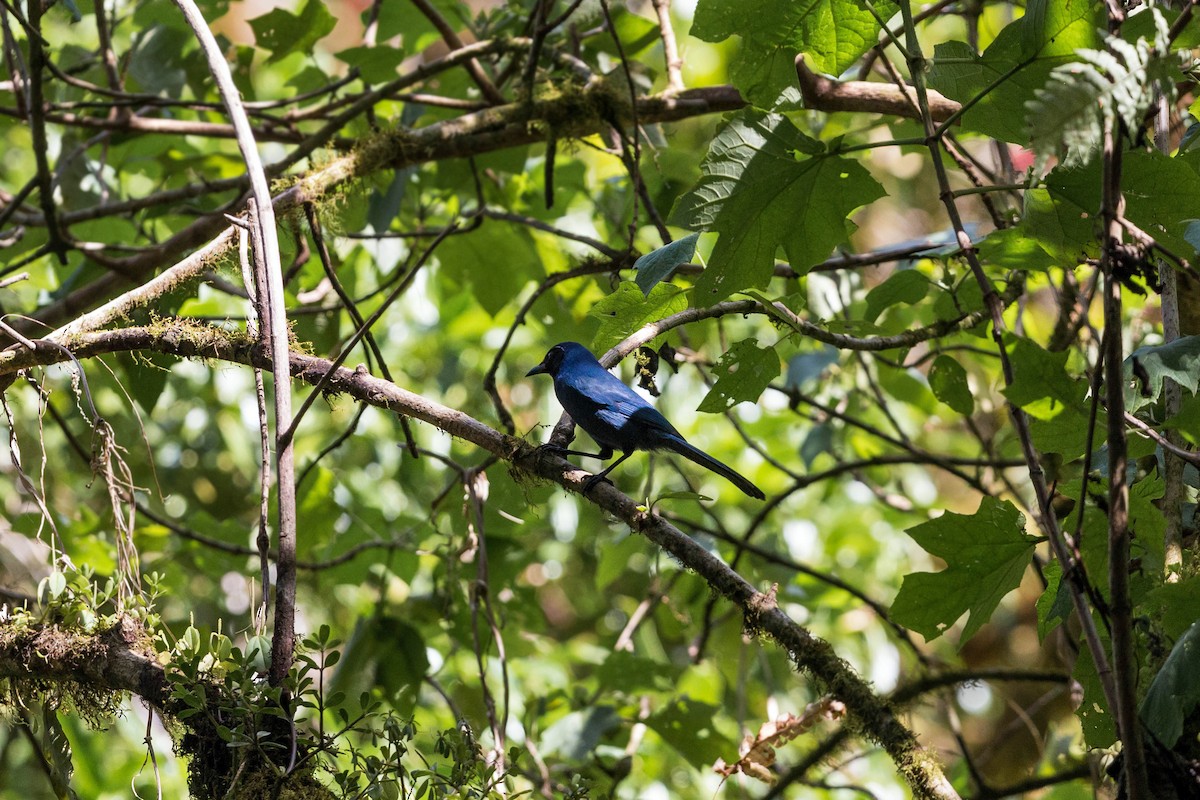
pixel 118 659
pixel 870 714
pixel 825 94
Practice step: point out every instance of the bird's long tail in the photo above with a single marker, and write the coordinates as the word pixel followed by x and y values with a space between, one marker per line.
pixel 693 453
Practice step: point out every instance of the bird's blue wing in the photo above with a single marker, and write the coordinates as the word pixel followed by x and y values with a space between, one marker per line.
pixel 612 413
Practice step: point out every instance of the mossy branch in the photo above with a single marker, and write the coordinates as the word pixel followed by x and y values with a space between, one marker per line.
pixel 872 716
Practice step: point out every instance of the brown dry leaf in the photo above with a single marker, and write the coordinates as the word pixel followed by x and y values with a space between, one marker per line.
pixel 758 752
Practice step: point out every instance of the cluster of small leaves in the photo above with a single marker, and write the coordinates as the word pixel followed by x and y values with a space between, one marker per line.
pixel 75 598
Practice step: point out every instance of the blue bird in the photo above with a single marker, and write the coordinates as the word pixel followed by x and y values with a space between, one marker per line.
pixel 616 416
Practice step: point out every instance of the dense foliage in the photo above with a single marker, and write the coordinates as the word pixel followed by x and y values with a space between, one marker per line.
pixel 926 275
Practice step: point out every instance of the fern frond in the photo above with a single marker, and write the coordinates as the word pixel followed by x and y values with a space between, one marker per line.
pixel 1067 116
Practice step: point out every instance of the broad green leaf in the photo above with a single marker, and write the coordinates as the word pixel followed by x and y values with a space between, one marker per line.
pixel 401 663
pixel 1041 384
pixel 657 265
pixel 760 192
pixel 495 261
pixel 1160 194
pixel 948 380
pixel 1174 606
pixel 1062 229
pixel 742 375
pixel 1066 433
pixel 805 367
pixel 406 21
pixel 281 32
pixel 832 34
pixel 905 286
pixel 1174 692
pixel 687 725
pixel 1014 248
pixel 986 553
pixel 1013 67
pixel 385 653
pixel 145 376
pixel 1058 27
pixel 1054 605
pixel 818 440
pixel 1095 717
pixel 908 386
pixel 613 559
pixel 627 309
pixel 1146 367
pixel 1187 421
pixel 155 65
pixel 629 673
pixel 375 64
pixel 577 734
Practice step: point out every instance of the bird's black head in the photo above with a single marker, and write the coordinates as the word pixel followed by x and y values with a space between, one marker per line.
pixel 564 351
pixel 551 362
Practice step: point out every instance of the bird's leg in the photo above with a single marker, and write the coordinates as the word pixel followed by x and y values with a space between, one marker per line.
pixel 603 455
pixel 592 481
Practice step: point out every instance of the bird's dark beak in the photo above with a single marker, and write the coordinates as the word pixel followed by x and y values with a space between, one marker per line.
pixel 540 369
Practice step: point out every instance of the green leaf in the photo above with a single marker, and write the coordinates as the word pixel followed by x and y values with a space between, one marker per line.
pixel 375 64
pixel 1066 433
pixel 1159 193
pixel 805 367
pixel 687 725
pixel 1173 606
pixel 56 753
pixel 1015 65
pixel 1041 384
pixel 401 663
pixel 905 286
pixel 985 553
pixel 145 376
pixel 629 673
pixel 832 34
pixel 1062 229
pixel 496 262
pixel 948 380
pixel 818 440
pixel 1174 692
pixel 1145 369
pixel 577 734
pixel 627 309
pixel 1054 605
pixel 613 559
pixel 1058 27
pixel 742 375
pixel 657 265
pixel 1014 248
pixel 760 194
pixel 406 21
pixel 1096 719
pixel 282 32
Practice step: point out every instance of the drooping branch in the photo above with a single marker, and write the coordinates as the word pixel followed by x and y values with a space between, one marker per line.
pixel 272 312
pixel 869 713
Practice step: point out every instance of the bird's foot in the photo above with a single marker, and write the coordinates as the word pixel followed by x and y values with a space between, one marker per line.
pixel 554 449
pixel 592 481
